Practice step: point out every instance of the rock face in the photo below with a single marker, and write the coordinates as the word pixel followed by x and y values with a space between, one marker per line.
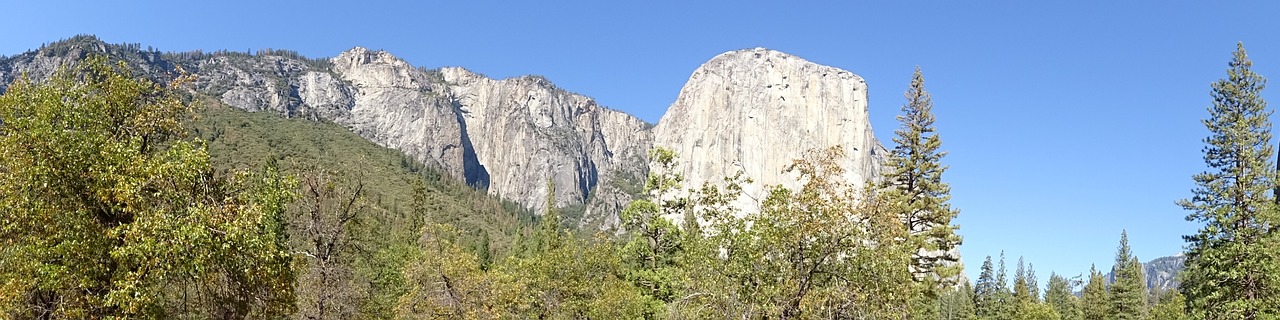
pixel 525 131
pixel 402 107
pixel 1161 273
pixel 751 110
pixel 508 136
pixel 757 110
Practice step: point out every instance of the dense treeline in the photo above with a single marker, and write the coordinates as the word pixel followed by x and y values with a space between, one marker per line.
pixel 1126 296
pixel 120 204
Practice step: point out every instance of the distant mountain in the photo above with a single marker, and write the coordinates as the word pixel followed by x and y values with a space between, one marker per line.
pixel 508 137
pixel 1161 272
pixel 751 110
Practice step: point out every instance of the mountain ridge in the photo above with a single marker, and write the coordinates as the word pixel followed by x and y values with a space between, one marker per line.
pixel 508 136
pixel 1161 273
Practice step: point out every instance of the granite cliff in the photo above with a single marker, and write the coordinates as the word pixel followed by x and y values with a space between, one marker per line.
pixel 757 110
pixel 1161 273
pixel 752 110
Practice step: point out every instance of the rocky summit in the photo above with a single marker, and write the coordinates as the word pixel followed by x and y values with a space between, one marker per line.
pixel 751 110
pixel 757 110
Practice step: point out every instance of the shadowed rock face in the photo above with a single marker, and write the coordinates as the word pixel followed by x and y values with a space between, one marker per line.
pixel 526 131
pixel 757 110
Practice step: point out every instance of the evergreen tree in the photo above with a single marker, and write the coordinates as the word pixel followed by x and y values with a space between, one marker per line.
pixel 1094 304
pixel 1033 285
pixel 550 235
pixel 1006 304
pixel 1020 289
pixel 986 291
pixel 1028 310
pixel 1128 289
pixel 1170 305
pixel 1059 295
pixel 1233 264
pixel 655 242
pixel 914 189
pixel 957 303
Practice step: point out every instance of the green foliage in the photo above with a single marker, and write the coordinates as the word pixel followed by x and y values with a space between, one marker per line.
pixel 580 278
pixel 957 303
pixel 551 235
pixel 1030 310
pixel 1171 305
pixel 986 291
pixel 560 277
pixel 1128 292
pixel 400 196
pixel 1058 295
pixel 914 189
pixel 107 215
pixel 1006 306
pixel 1022 292
pixel 1094 302
pixel 826 250
pixel 447 282
pixel 1233 261
pixel 655 244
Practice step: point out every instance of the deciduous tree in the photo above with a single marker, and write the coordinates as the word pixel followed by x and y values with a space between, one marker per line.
pixel 109 212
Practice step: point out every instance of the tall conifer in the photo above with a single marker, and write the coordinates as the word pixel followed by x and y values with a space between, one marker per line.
pixel 1128 292
pixel 914 187
pixel 1094 304
pixel 1233 261
pixel 1059 296
pixel 984 292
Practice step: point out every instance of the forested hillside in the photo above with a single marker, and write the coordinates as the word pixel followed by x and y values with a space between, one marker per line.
pixel 129 194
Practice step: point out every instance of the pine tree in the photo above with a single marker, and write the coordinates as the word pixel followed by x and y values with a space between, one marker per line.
pixel 1128 291
pixel 915 189
pixel 1005 302
pixel 550 236
pixel 655 243
pixel 1059 296
pixel 985 292
pixel 1033 285
pixel 1233 264
pixel 957 303
pixel 1094 304
pixel 1020 292
pixel 1171 305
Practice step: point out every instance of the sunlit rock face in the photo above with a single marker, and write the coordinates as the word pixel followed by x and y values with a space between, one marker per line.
pixel 757 110
pixel 752 110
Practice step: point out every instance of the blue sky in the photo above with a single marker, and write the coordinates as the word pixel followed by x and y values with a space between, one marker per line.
pixel 1066 121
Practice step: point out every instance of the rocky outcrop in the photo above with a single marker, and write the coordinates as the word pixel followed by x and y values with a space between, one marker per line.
pixel 750 110
pixel 507 136
pixel 1161 273
pixel 528 132
pixel 757 110
pixel 402 107
pixel 40 64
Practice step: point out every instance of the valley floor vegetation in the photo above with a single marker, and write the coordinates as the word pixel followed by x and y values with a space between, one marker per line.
pixel 124 198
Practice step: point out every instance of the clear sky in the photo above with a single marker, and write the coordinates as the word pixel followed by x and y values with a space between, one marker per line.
pixel 1066 121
